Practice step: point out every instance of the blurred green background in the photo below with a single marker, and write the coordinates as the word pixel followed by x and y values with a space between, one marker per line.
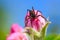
pixel 14 11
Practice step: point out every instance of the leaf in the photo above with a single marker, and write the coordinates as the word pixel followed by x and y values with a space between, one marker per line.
pixel 43 31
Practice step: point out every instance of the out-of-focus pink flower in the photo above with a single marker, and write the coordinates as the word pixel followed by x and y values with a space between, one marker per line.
pixel 17 33
pixel 16 28
pixel 17 36
pixel 35 19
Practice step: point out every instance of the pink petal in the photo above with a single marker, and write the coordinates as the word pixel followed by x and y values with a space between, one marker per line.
pixel 17 36
pixel 16 28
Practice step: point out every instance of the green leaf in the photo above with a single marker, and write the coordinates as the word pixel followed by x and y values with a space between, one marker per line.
pixel 43 31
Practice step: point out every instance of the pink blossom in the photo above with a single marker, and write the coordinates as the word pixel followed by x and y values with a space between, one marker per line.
pixel 16 28
pixel 17 36
pixel 17 33
pixel 36 20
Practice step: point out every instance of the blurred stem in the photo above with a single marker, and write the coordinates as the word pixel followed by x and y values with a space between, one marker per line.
pixel 32 37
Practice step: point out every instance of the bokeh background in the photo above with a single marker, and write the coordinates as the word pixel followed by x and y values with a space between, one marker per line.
pixel 14 11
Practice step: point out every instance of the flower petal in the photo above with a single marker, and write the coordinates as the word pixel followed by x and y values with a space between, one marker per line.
pixel 17 36
pixel 16 28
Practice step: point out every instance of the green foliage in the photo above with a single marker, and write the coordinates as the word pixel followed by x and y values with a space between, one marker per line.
pixel 52 37
pixel 2 35
pixel 3 23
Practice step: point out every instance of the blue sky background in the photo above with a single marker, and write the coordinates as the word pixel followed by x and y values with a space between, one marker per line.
pixel 16 11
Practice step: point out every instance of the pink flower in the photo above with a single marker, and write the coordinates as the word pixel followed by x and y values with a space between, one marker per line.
pixel 17 33
pixel 17 36
pixel 16 28
pixel 35 19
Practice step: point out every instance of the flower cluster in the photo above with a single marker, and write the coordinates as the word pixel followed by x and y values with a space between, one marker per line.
pixel 35 27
